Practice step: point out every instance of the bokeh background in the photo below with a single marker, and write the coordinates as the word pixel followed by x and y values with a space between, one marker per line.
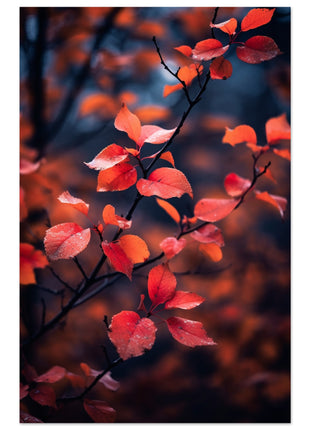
pixel 77 65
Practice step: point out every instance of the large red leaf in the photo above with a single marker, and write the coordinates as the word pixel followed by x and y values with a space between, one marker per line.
pixel 228 26
pixel 128 122
pixel 134 247
pixel 54 374
pixel 214 209
pixel 65 240
pixel 27 418
pixel 256 17
pixel 118 258
pixel 30 259
pixel 235 185
pixel 166 183
pixel 184 300
pixel 208 234
pixel 257 49
pixel 239 134
pixel 117 178
pixel 220 68
pixel 130 334
pixel 278 202
pixel 76 203
pixel 99 411
pixel 277 129
pixel 154 134
pixel 108 157
pixel 110 218
pixel 208 49
pixel 172 246
pixel 44 395
pixel 161 284
pixel 170 210
pixel 190 333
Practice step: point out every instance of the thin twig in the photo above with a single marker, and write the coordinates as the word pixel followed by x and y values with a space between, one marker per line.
pixel 213 21
pixel 75 259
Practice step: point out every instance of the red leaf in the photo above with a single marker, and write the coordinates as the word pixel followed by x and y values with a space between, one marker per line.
pixel 258 149
pixel 166 183
pixel 208 234
pixel 168 157
pixel 26 418
pixel 185 50
pixel 255 18
pixel 110 218
pixel 65 240
pixel 99 411
pixel 212 251
pixel 214 209
pixel 172 246
pixel 171 210
pixel 161 284
pixel 284 153
pixel 228 27
pixel 54 374
pixel 277 129
pixel 208 49
pixel 76 203
pixel 276 201
pixel 134 247
pixel 241 133
pixel 235 185
pixel 131 335
pixel 141 306
pixel 117 257
pixel 257 49
pixel 117 178
pixel 108 157
pixel 190 333
pixel 128 122
pixel 220 68
pixel 30 259
pixel 44 395
pixel 184 300
pixel 154 134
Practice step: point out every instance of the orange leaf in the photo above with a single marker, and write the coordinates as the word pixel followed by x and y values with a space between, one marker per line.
pixel 131 335
pixel 108 157
pixel 235 185
pixel 65 240
pixel 185 50
pixel 166 183
pixel 276 201
pixel 101 104
pixel 169 89
pixel 208 234
pixel 220 68
pixel 99 411
pixel 30 259
pixel 76 203
pixel 168 157
pixel 184 300
pixel 128 122
pixel 109 218
pixel 208 49
pixel 188 332
pixel 117 257
pixel 258 148
pixel 257 49
pixel 171 210
pixel 277 128
pixel 255 18
pixel 154 134
pixel 214 209
pixel 161 284
pixel 172 246
pixel 117 178
pixel 211 250
pixel 239 134
pixel 150 113
pixel 228 27
pixel 284 153
pixel 134 247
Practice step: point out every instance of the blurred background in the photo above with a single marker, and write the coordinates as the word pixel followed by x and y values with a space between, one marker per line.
pixel 77 65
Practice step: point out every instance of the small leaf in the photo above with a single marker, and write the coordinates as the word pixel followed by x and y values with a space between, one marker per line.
pixel 172 246
pixel 208 49
pixel 212 251
pixel 240 134
pixel 184 300
pixel 235 185
pixel 154 134
pixel 118 178
pixel 228 26
pixel 214 209
pixel 161 284
pixel 256 17
pixel 30 259
pixel 131 335
pixel 99 411
pixel 27 418
pixel 65 240
pixel 128 122
pixel 106 380
pixel 185 50
pixel 134 247
pixel 166 183
pixel 208 234
pixel 170 210
pixel 188 332
pixel 168 157
pixel 277 129
pixel 257 49
pixel 44 395
pixel 110 218
pixel 108 157
pixel 220 68
pixel 76 203
pixel 284 153
pixel 54 374
pixel 117 257
pixel 278 202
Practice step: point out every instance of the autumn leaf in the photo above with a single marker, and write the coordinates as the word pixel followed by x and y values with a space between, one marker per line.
pixel 44 395
pixel 106 380
pixel 108 157
pixel 130 334
pixel 128 122
pixel 220 68
pixel 185 50
pixel 161 284
pixel 208 49
pixel 278 202
pixel 228 26
pixel 172 246
pixel 65 240
pixel 186 74
pixel 214 209
pixel 240 134
pixel 284 153
pixel 110 218
pixel 54 374
pixel 212 251
pixel 188 332
pixel 102 104
pixel 117 178
pixel 184 300
pixel 257 49
pixel 170 210
pixel 76 203
pixel 235 185
pixel 30 259
pixel 117 257
pixel 134 247
pixel 208 234
pixel 166 183
pixel 256 18
pixel 154 134
pixel 99 411
pixel 277 129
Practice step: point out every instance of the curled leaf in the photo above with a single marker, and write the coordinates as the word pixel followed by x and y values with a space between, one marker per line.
pixel 184 300
pixel 154 134
pixel 76 203
pixel 169 209
pixel 188 332
pixel 208 49
pixel 110 218
pixel 108 157
pixel 228 26
pixel 278 202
